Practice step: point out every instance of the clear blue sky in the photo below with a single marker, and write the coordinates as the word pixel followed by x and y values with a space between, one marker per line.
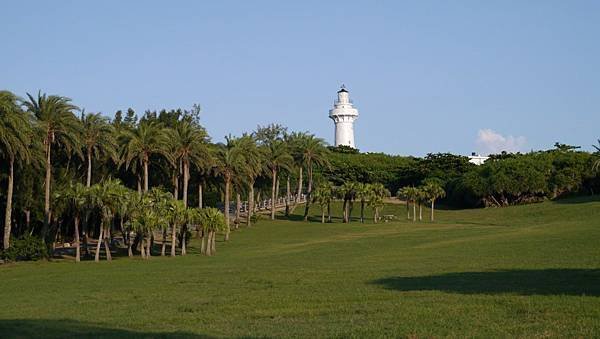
pixel 427 76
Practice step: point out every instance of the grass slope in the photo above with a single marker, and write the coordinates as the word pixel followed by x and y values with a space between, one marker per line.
pixel 531 271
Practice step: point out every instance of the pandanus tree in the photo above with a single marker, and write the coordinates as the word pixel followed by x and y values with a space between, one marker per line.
pixel 99 139
pixel 229 160
pixel 177 216
pixel 323 196
pixel 16 138
pixel 77 198
pixel 58 126
pixel 143 221
pixel 139 144
pixel 433 191
pixel 212 221
pixel 363 193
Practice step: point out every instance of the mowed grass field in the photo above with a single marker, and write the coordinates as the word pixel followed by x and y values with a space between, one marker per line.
pixel 525 271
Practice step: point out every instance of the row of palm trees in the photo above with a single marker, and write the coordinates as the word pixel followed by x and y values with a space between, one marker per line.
pixel 429 192
pixel 367 194
pixel 43 133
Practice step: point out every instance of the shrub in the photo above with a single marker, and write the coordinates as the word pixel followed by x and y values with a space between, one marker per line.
pixel 26 248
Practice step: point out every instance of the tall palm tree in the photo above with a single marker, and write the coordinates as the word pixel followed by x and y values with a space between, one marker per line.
pixel 276 157
pixel 314 153
pixel 254 165
pixel 189 145
pixel 229 159
pixel 139 144
pixel 404 193
pixel 16 137
pixel 295 142
pixel 348 192
pixel 58 125
pixel 98 138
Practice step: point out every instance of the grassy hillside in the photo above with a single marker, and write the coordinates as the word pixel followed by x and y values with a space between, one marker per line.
pixel 529 271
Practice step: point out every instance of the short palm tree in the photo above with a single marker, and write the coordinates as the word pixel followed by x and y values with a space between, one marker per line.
pixel 377 192
pixel 58 125
pixel 212 221
pixel 99 139
pixel 363 193
pixel 276 157
pixel 347 192
pixel 404 193
pixel 106 196
pixel 16 138
pixel 139 144
pixel 432 192
pixel 254 165
pixel 323 196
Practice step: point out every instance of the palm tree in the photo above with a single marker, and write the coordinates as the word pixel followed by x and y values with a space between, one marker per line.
pixel 404 193
pixel 139 144
pixel 433 191
pixel 596 165
pixel 77 197
pixel 59 126
pixel 411 193
pixel 348 193
pixel 212 221
pixel 295 142
pixel 314 153
pixel 98 138
pixel 323 196
pixel 177 217
pixel 229 159
pixel 189 145
pixel 363 193
pixel 254 164
pixel 276 157
pixel 106 196
pixel 16 137
pixel 377 192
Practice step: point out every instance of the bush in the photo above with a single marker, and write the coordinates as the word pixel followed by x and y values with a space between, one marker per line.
pixel 25 249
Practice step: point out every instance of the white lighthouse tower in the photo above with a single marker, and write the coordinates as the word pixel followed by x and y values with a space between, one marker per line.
pixel 343 115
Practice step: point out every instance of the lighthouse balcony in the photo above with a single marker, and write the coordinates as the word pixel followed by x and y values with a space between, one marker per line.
pixel 347 102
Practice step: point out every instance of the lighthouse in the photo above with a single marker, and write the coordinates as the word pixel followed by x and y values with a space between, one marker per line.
pixel 343 115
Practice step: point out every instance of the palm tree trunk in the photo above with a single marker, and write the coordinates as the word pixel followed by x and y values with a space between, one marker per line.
pixel 76 238
pixel 129 248
pixel 299 185
pixel 345 210
pixel 209 243
pixel 328 212
pixel 407 210
pixel 146 174
pixel 186 179
pixel 143 248
pixel 139 185
pixel 163 249
pixel 414 211
pixel 420 211
pixel 250 203
pixel 322 214
pixel 238 208
pixel 226 209
pixel 47 191
pixel 200 195
pixel 9 196
pixel 274 182
pixel 362 210
pixel 203 241
pixel 287 197
pixel 173 238
pixel 89 168
pixel 308 191
pixel 175 186
pixel 213 247
pixel 97 255
pixel 432 206
pixel 149 245
pixel 183 241
pixel 106 245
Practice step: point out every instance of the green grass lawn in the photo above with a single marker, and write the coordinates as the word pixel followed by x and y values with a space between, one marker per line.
pixel 528 271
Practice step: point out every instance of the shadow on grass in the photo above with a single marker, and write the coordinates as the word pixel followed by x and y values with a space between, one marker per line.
pixel 522 282
pixel 581 199
pixel 65 328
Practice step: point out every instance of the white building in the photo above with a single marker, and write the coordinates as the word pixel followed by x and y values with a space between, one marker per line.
pixel 343 115
pixel 477 159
